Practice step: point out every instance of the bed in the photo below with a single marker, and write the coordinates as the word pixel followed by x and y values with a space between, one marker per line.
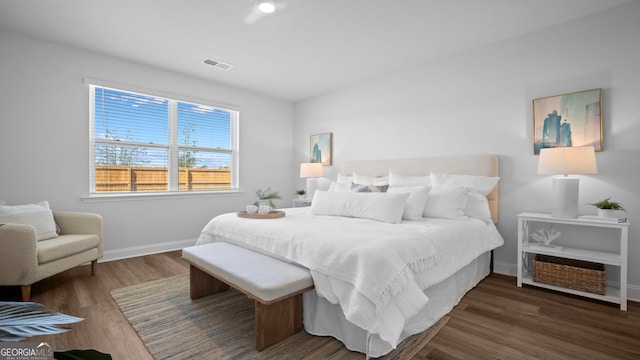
pixel 382 270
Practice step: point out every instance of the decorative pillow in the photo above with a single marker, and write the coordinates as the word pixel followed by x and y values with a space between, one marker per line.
pixel 483 184
pixel 477 206
pixel 339 187
pixel 343 179
pixel 446 202
pixel 368 188
pixel 374 206
pixel 416 202
pixel 38 215
pixel 342 184
pixel 403 180
pixel 370 180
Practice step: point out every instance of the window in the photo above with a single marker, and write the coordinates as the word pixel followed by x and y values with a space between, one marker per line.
pixel 145 143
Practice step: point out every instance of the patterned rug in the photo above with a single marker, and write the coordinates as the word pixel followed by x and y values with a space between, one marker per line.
pixel 221 326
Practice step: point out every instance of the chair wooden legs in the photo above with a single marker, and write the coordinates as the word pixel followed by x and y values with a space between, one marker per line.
pixel 26 292
pixel 26 289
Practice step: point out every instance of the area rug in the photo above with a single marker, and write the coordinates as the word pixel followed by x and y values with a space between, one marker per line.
pixel 221 326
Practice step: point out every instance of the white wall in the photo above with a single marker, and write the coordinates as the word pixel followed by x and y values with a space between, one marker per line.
pixel 480 102
pixel 44 143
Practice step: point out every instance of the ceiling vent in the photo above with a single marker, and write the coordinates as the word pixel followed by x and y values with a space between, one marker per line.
pixel 217 64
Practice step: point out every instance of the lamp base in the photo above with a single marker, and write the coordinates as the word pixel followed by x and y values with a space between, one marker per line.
pixel 312 185
pixel 565 197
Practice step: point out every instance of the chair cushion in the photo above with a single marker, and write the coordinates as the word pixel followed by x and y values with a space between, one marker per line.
pixel 38 215
pixel 64 246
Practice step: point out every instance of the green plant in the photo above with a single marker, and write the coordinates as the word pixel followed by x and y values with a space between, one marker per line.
pixel 266 195
pixel 301 192
pixel 607 204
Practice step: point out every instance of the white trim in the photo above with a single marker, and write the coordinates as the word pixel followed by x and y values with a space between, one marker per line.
pixel 173 147
pixel 118 254
pixel 510 269
pixel 155 196
pixel 159 93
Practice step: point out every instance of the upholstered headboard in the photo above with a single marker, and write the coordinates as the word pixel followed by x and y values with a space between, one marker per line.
pixel 484 165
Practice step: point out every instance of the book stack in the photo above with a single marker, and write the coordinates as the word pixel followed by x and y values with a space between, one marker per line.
pixel 595 217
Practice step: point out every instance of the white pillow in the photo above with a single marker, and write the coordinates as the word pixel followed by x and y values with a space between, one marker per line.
pixel 403 180
pixel 370 180
pixel 446 202
pixel 477 206
pixel 339 187
pixel 374 206
pixel 344 179
pixel 342 184
pixel 416 202
pixel 484 184
pixel 38 215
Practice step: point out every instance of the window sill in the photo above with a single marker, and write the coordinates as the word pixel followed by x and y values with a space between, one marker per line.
pixel 157 195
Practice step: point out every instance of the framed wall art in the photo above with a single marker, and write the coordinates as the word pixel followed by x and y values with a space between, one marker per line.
pixel 573 119
pixel 320 148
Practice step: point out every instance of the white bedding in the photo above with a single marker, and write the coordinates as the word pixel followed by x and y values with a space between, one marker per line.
pixel 377 272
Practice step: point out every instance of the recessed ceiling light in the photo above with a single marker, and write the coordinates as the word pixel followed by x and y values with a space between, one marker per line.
pixel 267 7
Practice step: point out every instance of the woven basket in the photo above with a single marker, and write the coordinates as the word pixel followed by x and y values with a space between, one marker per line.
pixel 569 273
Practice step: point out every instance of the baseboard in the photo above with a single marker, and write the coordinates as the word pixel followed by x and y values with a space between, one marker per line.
pixel 110 255
pixel 633 291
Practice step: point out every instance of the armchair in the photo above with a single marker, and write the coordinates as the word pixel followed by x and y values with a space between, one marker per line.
pixel 24 260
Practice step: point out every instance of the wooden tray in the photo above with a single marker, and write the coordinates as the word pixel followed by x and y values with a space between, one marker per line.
pixel 272 215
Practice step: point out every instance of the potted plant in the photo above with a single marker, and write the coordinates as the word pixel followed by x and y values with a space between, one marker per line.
pixel 266 197
pixel 301 193
pixel 608 208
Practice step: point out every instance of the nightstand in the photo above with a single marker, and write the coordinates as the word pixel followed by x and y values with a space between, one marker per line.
pixel 301 202
pixel 617 259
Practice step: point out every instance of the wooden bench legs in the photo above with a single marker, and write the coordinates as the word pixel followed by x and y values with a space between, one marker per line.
pixel 275 321
pixel 202 284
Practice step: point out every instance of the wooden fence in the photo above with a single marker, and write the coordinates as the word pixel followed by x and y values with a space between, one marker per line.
pixel 150 179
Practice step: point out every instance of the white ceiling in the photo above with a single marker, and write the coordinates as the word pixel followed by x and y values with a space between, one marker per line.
pixel 308 48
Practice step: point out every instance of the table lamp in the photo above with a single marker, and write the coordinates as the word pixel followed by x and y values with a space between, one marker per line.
pixel 311 171
pixel 566 161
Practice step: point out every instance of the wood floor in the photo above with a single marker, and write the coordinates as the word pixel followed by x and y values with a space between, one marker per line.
pixel 495 320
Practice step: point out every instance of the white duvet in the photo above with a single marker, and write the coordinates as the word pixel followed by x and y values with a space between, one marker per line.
pixel 375 271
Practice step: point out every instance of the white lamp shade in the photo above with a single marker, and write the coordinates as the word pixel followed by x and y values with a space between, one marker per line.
pixel 567 160
pixel 308 170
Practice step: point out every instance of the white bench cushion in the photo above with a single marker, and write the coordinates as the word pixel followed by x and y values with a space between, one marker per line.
pixel 265 277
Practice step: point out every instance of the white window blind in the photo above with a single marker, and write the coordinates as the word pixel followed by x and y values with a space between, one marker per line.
pixel 145 143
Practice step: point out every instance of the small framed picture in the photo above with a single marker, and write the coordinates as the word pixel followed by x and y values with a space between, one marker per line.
pixel 573 119
pixel 320 148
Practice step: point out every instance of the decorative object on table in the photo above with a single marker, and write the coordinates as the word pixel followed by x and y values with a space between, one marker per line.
pixel 565 161
pixel 320 149
pixel 22 320
pixel 264 209
pixel 545 236
pixel 609 209
pixel 570 273
pixel 266 197
pixel 573 119
pixel 252 209
pixel 311 171
pixel 301 194
pixel 274 214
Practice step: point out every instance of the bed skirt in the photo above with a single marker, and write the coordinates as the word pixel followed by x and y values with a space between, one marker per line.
pixel 323 318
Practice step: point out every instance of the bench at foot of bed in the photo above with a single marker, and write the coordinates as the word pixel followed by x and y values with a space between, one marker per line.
pixel 275 285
